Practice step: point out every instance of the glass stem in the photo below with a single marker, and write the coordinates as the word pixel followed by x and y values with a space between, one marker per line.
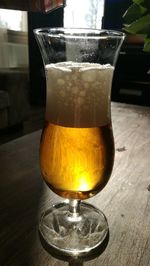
pixel 74 208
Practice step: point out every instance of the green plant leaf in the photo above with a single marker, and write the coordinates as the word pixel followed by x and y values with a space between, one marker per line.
pixel 138 2
pixel 141 25
pixel 134 12
pixel 137 20
pixel 147 45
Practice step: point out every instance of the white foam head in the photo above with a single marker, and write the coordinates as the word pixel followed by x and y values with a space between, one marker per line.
pixel 78 94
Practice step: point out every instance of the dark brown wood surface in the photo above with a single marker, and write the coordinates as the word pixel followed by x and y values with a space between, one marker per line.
pixel 125 200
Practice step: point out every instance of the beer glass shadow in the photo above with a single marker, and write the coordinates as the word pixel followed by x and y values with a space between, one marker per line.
pixel 75 260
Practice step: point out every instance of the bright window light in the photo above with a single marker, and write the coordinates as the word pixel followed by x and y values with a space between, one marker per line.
pixel 84 14
pixel 10 19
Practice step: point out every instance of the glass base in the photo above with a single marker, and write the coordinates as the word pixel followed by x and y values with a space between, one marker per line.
pixel 73 233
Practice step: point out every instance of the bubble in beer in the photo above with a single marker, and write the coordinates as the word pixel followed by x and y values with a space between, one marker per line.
pixel 78 93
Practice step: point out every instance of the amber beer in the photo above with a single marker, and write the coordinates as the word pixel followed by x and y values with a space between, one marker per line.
pixel 76 162
pixel 77 147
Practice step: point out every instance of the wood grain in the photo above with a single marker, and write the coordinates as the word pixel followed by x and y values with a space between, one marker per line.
pixel 125 200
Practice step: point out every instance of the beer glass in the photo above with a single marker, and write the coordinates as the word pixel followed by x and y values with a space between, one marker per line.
pixel 77 146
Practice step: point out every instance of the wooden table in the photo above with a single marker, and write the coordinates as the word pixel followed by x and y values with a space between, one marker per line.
pixel 125 200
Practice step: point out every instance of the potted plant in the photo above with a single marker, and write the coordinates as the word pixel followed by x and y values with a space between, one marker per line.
pixel 137 21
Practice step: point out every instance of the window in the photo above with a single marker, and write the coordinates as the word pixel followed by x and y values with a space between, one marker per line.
pixel 84 14
pixel 13 20
pixel 13 39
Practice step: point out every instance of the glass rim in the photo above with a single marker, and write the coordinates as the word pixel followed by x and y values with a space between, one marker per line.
pixel 78 32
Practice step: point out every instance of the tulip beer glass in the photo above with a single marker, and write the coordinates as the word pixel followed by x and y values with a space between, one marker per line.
pixel 77 147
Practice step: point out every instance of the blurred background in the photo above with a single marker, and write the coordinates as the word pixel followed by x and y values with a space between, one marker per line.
pixel 22 77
